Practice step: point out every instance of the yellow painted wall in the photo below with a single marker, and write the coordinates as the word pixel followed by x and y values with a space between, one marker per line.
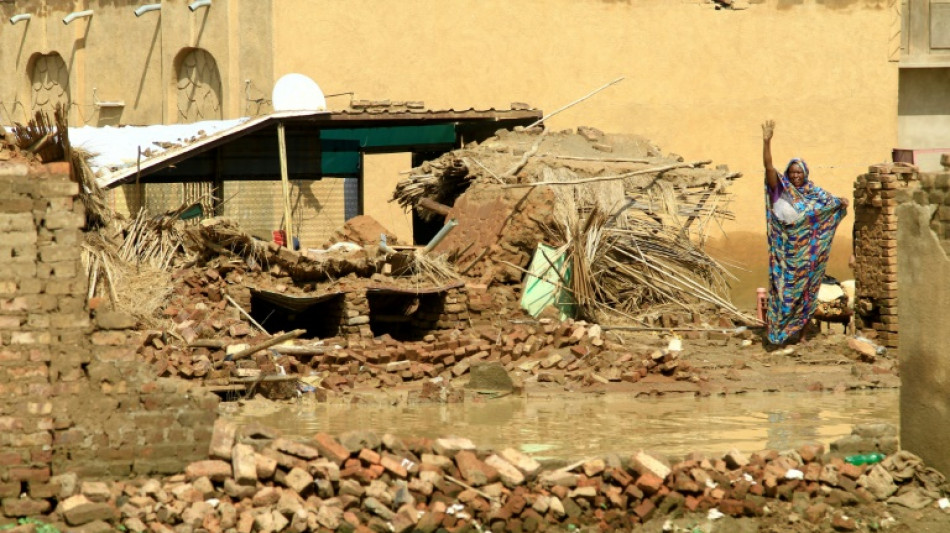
pixel 381 172
pixel 699 81
pixel 132 59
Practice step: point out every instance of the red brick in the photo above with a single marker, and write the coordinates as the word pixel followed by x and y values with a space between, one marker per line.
pixel 644 510
pixel 11 459
pixel 369 456
pixel 851 471
pixel 810 452
pixel 41 475
pixel 394 466
pixel 214 470
pixel 619 476
pixel 16 507
pixel 10 489
pixel 60 168
pixel 473 470
pixel 692 503
pixel 330 448
pixel 732 507
pixel 43 490
pixel 649 484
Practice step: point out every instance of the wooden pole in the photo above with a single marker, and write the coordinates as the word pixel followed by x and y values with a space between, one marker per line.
pixel 435 207
pixel 245 313
pixel 575 102
pixel 247 352
pixel 285 182
pixel 654 170
pixel 138 180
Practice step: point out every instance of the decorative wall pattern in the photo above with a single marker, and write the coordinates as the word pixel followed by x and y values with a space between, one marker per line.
pixel 199 87
pixel 49 83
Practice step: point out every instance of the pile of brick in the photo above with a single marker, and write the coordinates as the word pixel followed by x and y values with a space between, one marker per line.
pixel 214 235
pixel 549 351
pixel 256 481
pixel 875 247
pixel 203 324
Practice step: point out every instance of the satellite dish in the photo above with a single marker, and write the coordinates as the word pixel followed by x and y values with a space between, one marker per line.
pixel 296 92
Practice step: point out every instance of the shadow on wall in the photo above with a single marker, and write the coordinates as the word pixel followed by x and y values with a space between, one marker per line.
pixel 749 252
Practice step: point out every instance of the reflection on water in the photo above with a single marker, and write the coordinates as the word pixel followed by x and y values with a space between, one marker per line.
pixel 553 428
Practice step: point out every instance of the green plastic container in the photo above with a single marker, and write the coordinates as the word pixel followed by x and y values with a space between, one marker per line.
pixel 865 458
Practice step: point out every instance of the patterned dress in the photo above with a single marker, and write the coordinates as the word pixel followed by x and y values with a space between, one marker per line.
pixel 798 253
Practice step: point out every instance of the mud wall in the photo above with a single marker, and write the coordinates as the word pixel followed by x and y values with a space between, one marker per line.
pixel 688 88
pixel 875 248
pixel 923 238
pixel 73 397
pixel 708 107
pixel 118 68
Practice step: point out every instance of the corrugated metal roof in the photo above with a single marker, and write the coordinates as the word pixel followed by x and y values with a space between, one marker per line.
pixel 124 167
pixel 176 153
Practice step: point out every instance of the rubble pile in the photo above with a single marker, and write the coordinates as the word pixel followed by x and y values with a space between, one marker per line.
pixel 207 328
pixel 221 236
pixel 629 221
pixel 452 304
pixel 203 324
pixel 257 481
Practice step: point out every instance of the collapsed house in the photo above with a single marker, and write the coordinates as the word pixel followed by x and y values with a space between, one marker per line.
pixel 615 227
pixel 546 239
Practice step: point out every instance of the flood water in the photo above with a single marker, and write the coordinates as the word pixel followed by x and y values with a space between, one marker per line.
pixel 551 427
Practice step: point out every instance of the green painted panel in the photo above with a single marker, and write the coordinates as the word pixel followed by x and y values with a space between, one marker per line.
pixel 391 136
pixel 340 163
pixel 339 157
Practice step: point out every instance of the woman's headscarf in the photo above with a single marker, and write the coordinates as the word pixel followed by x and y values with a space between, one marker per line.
pixel 801 163
pixel 808 197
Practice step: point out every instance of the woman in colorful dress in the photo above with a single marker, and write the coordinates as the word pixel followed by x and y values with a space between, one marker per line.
pixel 802 219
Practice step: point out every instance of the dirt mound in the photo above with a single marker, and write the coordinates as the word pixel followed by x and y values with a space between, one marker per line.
pixel 361 230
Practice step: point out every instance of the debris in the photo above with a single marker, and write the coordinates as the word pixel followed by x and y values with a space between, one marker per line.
pixel 266 344
pixel 489 376
pixel 625 230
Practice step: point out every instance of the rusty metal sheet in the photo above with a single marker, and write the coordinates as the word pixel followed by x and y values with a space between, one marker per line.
pixel 293 303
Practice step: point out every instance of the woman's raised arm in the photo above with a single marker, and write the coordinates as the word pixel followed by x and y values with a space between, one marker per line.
pixel 771 176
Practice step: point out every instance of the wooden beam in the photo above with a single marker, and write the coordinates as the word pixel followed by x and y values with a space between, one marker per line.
pixel 285 182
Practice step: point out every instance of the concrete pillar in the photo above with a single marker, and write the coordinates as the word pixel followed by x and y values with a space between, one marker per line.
pixel 923 302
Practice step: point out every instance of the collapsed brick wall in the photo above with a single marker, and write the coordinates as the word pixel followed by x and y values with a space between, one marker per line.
pixel 74 397
pixel 875 248
pixel 442 311
pixel 427 312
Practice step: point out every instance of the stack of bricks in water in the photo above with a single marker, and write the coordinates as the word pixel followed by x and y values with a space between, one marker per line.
pixel 875 247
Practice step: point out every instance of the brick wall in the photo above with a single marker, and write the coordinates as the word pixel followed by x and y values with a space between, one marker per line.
pixel 875 247
pixel 74 397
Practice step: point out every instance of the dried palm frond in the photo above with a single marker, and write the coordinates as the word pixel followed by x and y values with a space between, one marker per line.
pixel 436 269
pixel 217 235
pixel 638 258
pixel 156 241
pixel 441 180
pixel 98 213
pixel 41 137
pixel 138 290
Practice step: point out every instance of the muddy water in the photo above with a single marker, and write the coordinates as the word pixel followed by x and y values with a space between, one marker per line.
pixel 551 427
